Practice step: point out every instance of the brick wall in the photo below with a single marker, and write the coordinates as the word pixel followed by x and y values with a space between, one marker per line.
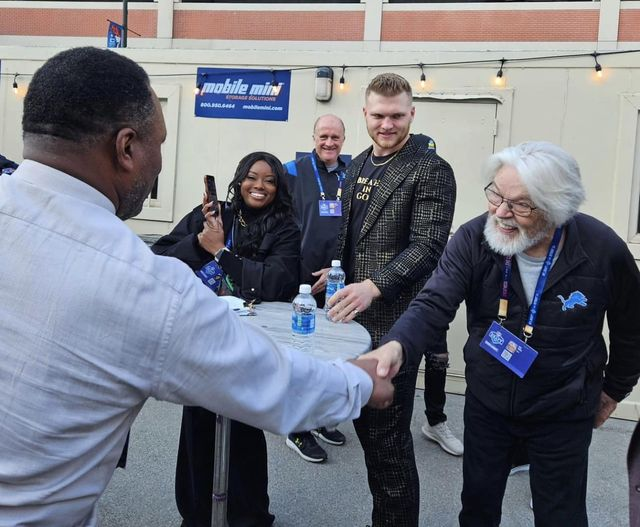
pixel 269 25
pixel 72 22
pixel 491 26
pixel 629 25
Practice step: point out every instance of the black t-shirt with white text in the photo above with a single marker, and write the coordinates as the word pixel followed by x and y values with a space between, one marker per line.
pixel 366 184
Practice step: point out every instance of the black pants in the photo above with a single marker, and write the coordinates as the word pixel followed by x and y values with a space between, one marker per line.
pixel 434 395
pixel 248 501
pixel 558 452
pixel 385 436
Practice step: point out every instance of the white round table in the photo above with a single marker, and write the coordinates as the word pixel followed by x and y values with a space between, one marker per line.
pixel 330 341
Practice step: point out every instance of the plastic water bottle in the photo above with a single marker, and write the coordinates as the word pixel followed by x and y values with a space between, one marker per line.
pixel 303 319
pixel 335 282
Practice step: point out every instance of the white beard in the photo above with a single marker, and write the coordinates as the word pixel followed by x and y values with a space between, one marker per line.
pixel 509 245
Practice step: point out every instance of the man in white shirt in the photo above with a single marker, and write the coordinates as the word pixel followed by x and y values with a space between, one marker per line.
pixel 94 323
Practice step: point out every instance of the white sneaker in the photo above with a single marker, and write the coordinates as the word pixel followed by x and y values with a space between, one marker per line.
pixel 441 434
pixel 519 468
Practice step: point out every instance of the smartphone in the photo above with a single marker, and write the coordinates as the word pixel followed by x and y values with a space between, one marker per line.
pixel 212 195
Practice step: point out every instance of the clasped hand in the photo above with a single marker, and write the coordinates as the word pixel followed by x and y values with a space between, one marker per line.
pixel 382 364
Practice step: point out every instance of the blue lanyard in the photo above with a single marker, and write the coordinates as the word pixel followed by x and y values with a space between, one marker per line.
pixel 317 174
pixel 229 242
pixel 542 280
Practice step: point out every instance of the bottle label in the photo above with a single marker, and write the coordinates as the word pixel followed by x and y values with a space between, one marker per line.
pixel 303 323
pixel 332 288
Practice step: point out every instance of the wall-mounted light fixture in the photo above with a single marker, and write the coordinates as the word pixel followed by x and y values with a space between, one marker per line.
pixel 324 83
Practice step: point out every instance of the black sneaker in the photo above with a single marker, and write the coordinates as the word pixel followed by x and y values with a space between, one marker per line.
pixel 333 437
pixel 306 447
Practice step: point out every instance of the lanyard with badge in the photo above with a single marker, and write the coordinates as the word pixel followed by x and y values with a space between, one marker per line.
pixel 498 341
pixel 328 207
pixel 212 274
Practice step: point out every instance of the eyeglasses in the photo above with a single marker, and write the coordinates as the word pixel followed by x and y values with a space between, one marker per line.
pixel 519 208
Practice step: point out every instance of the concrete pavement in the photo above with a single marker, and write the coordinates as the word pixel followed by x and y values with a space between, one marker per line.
pixel 335 493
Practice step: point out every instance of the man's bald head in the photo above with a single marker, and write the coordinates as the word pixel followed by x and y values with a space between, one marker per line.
pixel 328 136
pixel 328 118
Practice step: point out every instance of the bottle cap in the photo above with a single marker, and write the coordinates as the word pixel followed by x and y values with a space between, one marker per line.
pixel 305 289
pixel 335 263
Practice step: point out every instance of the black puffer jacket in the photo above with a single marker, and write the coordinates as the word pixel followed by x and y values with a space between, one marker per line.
pixel 566 379
pixel 271 274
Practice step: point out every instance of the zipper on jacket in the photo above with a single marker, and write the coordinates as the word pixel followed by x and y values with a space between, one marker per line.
pixel 512 397
pixel 514 379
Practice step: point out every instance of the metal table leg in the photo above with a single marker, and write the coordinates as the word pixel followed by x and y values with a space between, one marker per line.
pixel 220 472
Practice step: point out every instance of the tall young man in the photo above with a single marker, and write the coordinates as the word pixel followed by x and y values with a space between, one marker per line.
pixel 397 211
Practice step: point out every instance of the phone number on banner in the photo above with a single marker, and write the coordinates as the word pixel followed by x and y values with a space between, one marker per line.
pixel 217 105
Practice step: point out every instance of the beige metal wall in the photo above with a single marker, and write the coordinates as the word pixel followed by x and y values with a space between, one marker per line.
pixel 559 100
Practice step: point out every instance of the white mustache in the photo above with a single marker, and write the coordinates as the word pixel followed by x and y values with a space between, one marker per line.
pixel 509 224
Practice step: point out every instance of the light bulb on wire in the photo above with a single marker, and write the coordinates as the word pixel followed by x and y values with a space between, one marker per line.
pixel 499 80
pixel 341 82
pixel 423 77
pixel 15 83
pixel 200 84
pixel 275 87
pixel 597 67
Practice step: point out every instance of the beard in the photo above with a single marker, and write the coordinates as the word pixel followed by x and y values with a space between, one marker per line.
pixel 132 203
pixel 390 143
pixel 510 245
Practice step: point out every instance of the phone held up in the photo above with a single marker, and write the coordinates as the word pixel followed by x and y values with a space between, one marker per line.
pixel 212 195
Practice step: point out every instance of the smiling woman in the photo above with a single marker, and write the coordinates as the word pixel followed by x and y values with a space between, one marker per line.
pixel 253 248
pixel 255 242
pixel 258 188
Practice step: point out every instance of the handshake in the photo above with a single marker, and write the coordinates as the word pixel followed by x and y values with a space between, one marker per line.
pixel 382 365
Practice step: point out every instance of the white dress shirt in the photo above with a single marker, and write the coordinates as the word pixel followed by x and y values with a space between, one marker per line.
pixel 93 323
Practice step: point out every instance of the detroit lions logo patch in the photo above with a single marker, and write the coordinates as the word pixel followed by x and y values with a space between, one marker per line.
pixel 576 298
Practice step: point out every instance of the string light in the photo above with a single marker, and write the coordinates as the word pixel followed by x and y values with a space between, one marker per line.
pixel 423 77
pixel 597 66
pixel 199 84
pixel 275 87
pixel 499 80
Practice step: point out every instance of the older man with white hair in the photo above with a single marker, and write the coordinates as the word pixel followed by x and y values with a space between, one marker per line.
pixel 538 279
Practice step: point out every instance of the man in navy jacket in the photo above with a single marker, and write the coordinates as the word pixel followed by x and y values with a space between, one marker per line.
pixel 315 180
pixel 568 271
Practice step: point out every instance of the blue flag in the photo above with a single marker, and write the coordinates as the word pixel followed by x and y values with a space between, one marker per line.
pixel 114 35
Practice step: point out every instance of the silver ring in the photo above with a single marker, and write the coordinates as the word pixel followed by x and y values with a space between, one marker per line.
pixel 355 311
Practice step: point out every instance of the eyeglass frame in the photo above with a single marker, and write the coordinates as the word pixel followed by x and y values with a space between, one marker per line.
pixel 510 203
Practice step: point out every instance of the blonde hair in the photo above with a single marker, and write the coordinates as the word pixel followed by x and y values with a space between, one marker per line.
pixel 388 85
